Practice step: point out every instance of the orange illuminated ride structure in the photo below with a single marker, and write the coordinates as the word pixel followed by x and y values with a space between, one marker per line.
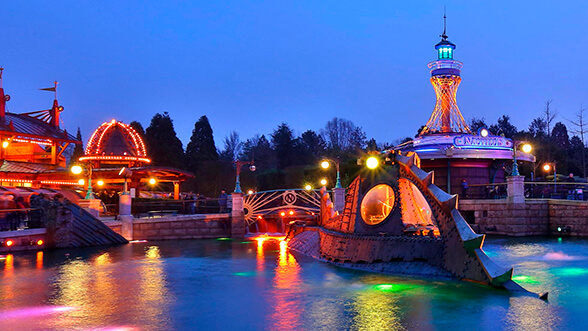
pixel 32 146
pixel 447 145
pixel 445 78
pixel 32 160
pixel 115 143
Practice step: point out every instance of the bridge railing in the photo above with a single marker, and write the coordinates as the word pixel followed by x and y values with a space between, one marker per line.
pixel 533 190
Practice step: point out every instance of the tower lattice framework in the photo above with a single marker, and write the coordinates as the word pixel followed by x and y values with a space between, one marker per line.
pixel 446 116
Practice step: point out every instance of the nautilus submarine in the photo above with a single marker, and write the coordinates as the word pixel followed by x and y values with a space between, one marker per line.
pixel 396 221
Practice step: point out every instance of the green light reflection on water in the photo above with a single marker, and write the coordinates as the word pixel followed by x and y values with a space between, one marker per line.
pixel 392 287
pixel 245 242
pixel 222 239
pixel 570 272
pixel 245 274
pixel 525 279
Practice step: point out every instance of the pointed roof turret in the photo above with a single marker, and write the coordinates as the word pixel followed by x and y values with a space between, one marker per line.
pixel 445 47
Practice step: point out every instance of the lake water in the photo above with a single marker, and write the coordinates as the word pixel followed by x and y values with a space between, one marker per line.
pixel 257 285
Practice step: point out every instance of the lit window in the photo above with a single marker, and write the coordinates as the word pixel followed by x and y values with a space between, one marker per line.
pixel 377 204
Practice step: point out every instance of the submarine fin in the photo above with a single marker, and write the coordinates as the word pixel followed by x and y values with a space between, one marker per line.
pixel 498 275
pixel 471 240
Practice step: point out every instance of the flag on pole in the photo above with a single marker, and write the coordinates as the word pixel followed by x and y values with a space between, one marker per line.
pixel 51 89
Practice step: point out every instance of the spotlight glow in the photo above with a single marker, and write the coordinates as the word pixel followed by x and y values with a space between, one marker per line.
pixel 76 169
pixel 372 162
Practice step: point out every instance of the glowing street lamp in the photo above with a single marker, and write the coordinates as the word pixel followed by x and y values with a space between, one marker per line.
pixel 308 187
pixel 372 162
pixel 78 169
pixel 323 182
pixel 526 148
pixel 152 181
pixel 239 164
pixel 547 168
pixel 326 163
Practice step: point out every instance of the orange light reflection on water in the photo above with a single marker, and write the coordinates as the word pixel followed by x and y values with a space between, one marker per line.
pixel 286 292
pixel 9 265
pixel 40 260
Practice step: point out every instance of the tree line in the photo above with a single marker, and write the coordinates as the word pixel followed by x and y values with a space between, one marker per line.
pixel 282 159
pixel 552 141
pixel 286 160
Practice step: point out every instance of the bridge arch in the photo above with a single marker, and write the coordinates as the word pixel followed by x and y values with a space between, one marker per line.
pixel 267 211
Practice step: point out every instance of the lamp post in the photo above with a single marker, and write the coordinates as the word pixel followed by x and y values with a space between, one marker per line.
pixel 126 173
pixel 325 165
pixel 546 168
pixel 239 164
pixel 526 148
pixel 77 169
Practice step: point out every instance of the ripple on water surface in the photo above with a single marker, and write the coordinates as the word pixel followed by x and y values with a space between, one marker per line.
pixel 249 284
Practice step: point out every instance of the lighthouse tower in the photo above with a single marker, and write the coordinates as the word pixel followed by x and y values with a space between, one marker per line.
pixel 445 78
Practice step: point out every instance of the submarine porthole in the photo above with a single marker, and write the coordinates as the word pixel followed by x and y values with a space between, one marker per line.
pixel 377 204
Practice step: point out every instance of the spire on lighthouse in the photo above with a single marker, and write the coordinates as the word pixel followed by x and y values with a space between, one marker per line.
pixel 445 78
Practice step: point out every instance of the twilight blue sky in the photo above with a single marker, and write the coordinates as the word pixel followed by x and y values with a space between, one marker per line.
pixel 250 65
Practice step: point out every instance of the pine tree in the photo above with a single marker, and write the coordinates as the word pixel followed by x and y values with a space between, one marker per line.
pixel 283 143
pixel 78 150
pixel 139 128
pixel 201 147
pixel 163 145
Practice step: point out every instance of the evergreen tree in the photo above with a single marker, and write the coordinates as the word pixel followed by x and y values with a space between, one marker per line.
pixel 311 147
pixel 201 147
pixel 163 145
pixel 259 149
pixel 284 145
pixel 78 150
pixel 477 123
pixel 504 127
pixel 139 128
pixel 576 156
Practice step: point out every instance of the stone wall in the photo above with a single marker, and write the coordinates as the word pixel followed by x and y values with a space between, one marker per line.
pixel 570 216
pixel 531 218
pixel 179 227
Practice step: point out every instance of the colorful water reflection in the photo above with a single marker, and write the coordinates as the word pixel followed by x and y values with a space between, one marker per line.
pixel 261 285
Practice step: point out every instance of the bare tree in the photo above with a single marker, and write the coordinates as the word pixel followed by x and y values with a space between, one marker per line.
pixel 580 130
pixel 342 135
pixel 233 147
pixel 549 115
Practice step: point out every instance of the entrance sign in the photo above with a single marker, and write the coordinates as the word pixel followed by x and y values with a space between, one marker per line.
pixel 469 141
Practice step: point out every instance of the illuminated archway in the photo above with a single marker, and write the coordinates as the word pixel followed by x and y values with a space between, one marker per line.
pixel 116 142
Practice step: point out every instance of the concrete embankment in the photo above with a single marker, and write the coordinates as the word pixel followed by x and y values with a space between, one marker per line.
pixel 200 226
